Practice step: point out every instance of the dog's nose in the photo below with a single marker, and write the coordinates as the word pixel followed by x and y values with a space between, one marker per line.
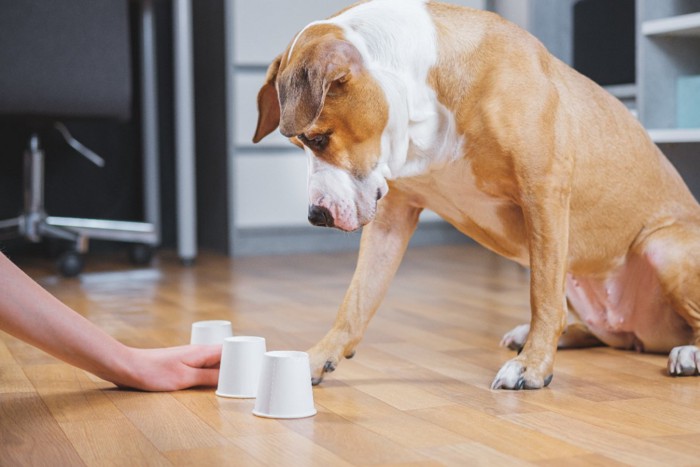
pixel 320 216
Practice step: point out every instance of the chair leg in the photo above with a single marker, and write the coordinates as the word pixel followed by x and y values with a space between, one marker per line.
pixel 103 229
pixel 33 213
pixel 9 228
pixel 34 223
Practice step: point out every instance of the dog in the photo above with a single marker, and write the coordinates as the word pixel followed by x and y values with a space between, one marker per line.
pixel 402 105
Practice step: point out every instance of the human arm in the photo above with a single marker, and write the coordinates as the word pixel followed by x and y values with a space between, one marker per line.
pixel 30 313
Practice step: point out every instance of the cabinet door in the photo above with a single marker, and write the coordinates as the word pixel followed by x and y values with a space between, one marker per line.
pixel 263 28
pixel 270 189
pixel 246 87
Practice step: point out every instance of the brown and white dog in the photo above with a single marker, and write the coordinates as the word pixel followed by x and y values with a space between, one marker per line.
pixel 402 105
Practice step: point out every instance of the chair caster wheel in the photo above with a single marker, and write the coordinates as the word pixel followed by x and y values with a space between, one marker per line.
pixel 140 254
pixel 70 263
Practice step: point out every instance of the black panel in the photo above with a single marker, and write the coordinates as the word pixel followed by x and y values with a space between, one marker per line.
pixel 211 124
pixel 604 40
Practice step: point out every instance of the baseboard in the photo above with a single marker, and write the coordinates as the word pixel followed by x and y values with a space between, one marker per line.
pixel 290 240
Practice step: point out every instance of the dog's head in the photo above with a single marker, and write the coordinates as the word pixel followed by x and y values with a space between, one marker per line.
pixel 321 95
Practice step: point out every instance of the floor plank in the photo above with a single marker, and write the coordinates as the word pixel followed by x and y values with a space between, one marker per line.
pixel 30 435
pixel 416 394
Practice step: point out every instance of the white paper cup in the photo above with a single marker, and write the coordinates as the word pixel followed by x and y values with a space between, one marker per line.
pixel 239 371
pixel 210 332
pixel 284 390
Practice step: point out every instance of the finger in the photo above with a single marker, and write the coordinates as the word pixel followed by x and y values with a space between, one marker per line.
pixel 202 356
pixel 202 377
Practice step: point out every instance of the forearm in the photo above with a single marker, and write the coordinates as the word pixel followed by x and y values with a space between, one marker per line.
pixel 30 313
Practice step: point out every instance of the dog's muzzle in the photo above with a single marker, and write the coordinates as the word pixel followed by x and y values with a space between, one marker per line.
pixel 320 216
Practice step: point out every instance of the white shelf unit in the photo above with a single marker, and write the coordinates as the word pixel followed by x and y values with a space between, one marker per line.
pixel 622 91
pixel 681 25
pixel 675 135
pixel 627 93
pixel 668 46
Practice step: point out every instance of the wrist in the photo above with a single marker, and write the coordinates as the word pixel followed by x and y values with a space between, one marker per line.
pixel 122 367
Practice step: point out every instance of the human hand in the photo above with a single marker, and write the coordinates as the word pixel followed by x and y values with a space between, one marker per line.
pixel 171 368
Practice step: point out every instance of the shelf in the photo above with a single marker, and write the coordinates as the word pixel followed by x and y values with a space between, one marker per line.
pixel 675 135
pixel 683 25
pixel 622 91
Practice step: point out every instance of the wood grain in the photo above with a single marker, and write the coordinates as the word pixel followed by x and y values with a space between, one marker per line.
pixel 416 393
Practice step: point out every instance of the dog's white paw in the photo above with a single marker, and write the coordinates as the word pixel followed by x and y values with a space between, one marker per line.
pixel 684 361
pixel 509 376
pixel 514 375
pixel 516 337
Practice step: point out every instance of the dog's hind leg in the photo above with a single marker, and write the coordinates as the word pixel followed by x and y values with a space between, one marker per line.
pixel 383 243
pixel 575 336
pixel 675 253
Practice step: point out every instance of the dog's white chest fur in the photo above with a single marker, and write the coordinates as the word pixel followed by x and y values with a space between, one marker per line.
pixel 422 150
pixel 397 41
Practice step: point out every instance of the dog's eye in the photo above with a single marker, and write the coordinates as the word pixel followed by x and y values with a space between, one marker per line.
pixel 315 141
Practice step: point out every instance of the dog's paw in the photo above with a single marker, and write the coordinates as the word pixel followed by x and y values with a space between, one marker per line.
pixel 684 361
pixel 320 365
pixel 516 337
pixel 323 362
pixel 514 375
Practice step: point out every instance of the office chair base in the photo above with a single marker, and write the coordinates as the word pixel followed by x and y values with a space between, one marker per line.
pixel 70 263
pixel 9 228
pixel 78 231
pixel 99 229
pixel 34 227
pixel 34 224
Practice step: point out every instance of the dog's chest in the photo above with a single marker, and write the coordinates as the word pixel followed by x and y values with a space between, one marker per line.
pixel 453 193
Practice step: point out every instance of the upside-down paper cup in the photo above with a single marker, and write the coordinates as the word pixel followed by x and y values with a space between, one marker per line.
pixel 239 371
pixel 210 332
pixel 284 390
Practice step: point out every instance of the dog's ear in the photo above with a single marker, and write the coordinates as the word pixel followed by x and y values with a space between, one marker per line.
pixel 303 86
pixel 268 103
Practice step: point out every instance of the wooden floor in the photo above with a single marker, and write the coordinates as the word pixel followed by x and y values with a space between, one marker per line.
pixel 417 392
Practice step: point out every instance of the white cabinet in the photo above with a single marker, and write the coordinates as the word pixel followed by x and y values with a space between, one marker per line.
pixel 270 189
pixel 267 189
pixel 263 28
pixel 246 84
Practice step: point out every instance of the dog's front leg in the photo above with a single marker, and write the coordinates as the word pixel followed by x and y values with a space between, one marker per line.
pixel 382 246
pixel 546 213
